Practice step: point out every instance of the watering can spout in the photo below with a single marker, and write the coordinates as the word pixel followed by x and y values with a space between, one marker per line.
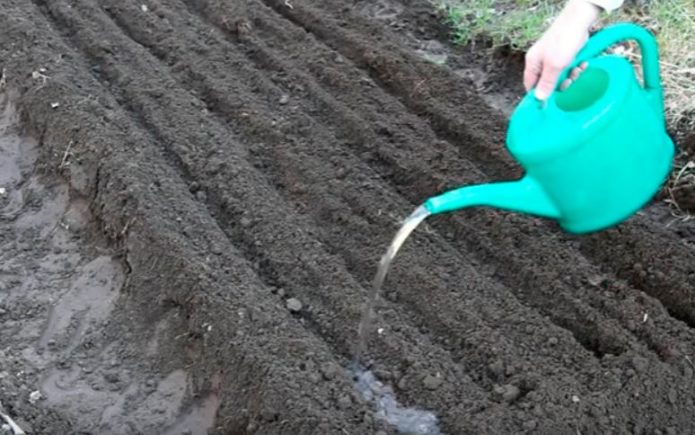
pixel 524 196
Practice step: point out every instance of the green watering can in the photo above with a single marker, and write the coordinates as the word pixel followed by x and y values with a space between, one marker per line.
pixel 593 154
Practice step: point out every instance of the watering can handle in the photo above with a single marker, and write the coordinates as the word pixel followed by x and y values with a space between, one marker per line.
pixel 608 36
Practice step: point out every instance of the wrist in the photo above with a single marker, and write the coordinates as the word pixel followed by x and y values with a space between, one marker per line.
pixel 579 13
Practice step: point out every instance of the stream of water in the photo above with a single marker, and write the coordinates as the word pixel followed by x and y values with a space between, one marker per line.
pixel 406 420
pixel 409 224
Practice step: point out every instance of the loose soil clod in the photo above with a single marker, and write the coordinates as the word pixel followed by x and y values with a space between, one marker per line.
pixel 209 158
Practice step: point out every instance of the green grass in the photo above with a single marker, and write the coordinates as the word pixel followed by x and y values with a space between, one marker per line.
pixel 506 23
pixel 520 23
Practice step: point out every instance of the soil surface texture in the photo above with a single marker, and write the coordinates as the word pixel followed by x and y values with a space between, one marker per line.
pixel 194 197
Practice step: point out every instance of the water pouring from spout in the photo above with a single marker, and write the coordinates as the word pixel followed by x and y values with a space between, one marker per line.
pixel 523 195
pixel 410 223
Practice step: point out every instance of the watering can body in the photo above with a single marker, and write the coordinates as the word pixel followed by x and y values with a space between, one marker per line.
pixel 593 154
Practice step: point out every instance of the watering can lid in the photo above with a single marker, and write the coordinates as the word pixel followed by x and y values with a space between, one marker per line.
pixel 539 131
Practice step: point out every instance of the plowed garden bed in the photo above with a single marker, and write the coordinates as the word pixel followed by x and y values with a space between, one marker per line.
pixel 175 171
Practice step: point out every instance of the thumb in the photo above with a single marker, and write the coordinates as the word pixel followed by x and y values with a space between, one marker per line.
pixel 548 80
pixel 532 67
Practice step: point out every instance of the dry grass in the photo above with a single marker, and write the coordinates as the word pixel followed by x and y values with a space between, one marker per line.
pixel 673 23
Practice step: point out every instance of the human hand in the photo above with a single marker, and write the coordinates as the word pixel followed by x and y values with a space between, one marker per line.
pixel 557 48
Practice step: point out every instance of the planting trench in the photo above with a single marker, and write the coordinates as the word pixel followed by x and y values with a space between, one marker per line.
pixel 197 193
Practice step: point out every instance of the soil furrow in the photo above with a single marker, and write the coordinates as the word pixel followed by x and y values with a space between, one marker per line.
pixel 658 263
pixel 386 135
pixel 415 82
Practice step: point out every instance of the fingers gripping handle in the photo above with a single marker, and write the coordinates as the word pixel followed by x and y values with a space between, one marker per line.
pixel 608 36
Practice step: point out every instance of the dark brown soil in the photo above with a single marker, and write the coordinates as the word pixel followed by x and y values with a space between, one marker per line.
pixel 219 158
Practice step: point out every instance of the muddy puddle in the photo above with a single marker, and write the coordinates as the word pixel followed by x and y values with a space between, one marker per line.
pixel 406 420
pixel 57 295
